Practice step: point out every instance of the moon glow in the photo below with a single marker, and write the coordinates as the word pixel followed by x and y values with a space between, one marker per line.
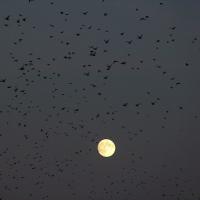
pixel 106 148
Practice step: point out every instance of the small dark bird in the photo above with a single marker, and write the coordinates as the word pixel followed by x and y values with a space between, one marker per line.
pixel 140 36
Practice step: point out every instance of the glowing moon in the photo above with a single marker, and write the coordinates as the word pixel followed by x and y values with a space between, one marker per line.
pixel 106 148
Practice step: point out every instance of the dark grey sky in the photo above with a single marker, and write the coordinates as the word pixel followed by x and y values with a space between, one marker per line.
pixel 73 72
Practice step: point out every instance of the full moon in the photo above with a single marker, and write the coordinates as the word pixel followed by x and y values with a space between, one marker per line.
pixel 106 148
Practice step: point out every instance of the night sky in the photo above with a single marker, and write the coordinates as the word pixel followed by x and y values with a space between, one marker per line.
pixel 73 72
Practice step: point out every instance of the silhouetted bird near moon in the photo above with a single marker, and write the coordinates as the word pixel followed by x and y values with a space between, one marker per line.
pixel 99 100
